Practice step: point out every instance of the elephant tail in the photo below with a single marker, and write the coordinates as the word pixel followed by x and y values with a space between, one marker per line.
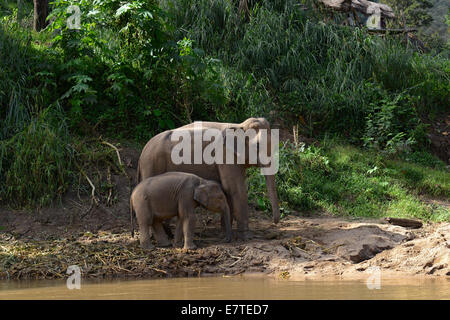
pixel 138 174
pixel 131 217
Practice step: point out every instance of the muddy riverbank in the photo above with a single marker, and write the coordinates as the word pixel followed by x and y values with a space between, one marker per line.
pixel 37 247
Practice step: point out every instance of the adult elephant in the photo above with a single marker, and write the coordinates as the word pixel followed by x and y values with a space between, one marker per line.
pixel 156 158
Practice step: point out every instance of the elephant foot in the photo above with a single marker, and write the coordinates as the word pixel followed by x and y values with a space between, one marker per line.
pixel 147 246
pixel 164 244
pixel 190 246
pixel 177 244
pixel 244 235
pixel 227 239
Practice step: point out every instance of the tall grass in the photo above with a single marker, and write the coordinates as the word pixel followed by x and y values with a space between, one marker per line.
pixel 17 60
pixel 321 76
pixel 36 163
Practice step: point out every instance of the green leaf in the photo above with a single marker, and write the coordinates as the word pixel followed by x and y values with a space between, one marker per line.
pixel 123 9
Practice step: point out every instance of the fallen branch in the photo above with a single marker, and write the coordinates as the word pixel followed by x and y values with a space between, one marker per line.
pixel 235 262
pixel 115 148
pixel 90 183
pixel 407 223
pixel 93 198
pixel 394 31
pixel 158 270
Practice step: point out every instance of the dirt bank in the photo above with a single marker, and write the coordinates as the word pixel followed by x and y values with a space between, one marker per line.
pixel 44 243
pixel 100 243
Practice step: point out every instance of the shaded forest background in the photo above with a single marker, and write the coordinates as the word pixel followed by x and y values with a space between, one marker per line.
pixel 439 11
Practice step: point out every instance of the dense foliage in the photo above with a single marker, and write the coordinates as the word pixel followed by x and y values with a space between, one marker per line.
pixel 327 78
pixel 135 68
pixel 413 13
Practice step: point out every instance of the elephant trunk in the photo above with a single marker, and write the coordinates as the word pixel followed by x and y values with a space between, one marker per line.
pixel 227 220
pixel 272 193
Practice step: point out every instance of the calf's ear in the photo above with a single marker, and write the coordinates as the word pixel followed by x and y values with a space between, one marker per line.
pixel 201 195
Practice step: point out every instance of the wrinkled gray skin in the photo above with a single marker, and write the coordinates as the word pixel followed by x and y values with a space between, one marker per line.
pixel 156 159
pixel 172 194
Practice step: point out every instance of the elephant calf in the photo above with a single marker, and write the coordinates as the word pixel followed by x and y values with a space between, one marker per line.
pixel 162 197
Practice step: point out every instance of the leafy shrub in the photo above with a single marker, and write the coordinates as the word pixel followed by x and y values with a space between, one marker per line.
pixel 123 68
pixel 424 158
pixel 390 125
pixel 119 75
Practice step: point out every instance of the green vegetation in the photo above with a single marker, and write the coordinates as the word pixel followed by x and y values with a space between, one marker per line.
pixel 327 76
pixel 439 26
pixel 139 67
pixel 415 13
pixel 344 180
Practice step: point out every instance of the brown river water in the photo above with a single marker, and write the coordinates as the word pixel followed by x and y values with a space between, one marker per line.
pixel 236 288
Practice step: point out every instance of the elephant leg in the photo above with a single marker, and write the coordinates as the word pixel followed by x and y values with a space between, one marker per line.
pixel 144 219
pixel 186 220
pixel 160 234
pixel 222 219
pixel 144 237
pixel 240 206
pixel 188 230
pixel 186 223
pixel 178 239
pixel 233 183
pixel 166 225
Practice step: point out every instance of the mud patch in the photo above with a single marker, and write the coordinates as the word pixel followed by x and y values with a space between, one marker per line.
pixel 296 247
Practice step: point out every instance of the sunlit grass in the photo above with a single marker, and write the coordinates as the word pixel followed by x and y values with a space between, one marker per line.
pixel 347 181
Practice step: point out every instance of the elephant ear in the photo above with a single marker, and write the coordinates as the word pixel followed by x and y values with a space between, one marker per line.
pixel 247 142
pixel 225 137
pixel 201 195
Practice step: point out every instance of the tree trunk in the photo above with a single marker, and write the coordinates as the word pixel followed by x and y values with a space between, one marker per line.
pixel 40 14
pixel 19 10
pixel 243 10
